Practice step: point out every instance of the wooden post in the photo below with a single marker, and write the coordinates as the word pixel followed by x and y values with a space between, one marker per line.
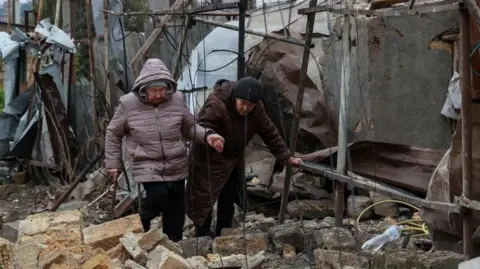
pixel 298 109
pixel 91 57
pixel 40 10
pixel 9 16
pixel 466 114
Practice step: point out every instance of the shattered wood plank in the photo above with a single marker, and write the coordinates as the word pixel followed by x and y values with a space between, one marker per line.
pixel 179 4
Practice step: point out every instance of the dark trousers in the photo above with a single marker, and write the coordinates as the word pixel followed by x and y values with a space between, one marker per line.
pixel 168 199
pixel 232 193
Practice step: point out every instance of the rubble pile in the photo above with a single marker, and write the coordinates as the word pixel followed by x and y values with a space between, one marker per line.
pixel 61 240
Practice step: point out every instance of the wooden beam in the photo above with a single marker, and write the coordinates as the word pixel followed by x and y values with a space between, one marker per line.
pixel 156 33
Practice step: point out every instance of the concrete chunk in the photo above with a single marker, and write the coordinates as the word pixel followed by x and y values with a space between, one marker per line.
pixel 151 239
pixel 107 235
pixel 198 246
pixel 118 252
pixel 59 258
pixel 6 254
pixel 10 231
pixel 98 260
pixel 470 264
pixel 163 258
pixel 129 242
pixel 230 245
pixel 133 265
pixel 198 262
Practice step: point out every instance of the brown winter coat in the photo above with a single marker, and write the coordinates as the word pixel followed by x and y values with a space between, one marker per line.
pixel 207 179
pixel 154 134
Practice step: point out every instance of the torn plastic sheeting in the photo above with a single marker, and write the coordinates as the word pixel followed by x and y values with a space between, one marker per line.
pixel 212 54
pixel 9 120
pixel 8 47
pixel 55 35
pixel 10 79
pixel 56 73
pixel 453 103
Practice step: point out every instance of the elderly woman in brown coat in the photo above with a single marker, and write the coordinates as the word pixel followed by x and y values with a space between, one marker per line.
pixel 234 111
pixel 155 120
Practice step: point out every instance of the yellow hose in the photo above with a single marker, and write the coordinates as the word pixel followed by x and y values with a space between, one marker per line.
pixel 417 227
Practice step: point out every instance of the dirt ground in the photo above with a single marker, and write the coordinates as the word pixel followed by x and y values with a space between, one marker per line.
pixel 17 201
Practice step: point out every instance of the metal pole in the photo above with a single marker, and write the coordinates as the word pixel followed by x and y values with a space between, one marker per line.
pixel 466 114
pixel 298 110
pixel 242 6
pixel 91 58
pixel 58 6
pixel 106 39
pixel 247 31
pixel 342 122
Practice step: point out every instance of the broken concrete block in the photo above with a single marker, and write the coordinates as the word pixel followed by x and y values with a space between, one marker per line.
pixel 440 260
pixel 384 209
pixel 10 231
pixel 6 254
pixel 199 246
pixel 27 251
pixel 58 258
pixel 133 265
pixel 72 205
pixel 289 233
pixel 230 245
pixel 336 259
pixel 311 209
pixel 98 259
pixel 470 264
pixel 335 238
pixel 255 262
pixel 198 262
pixel 40 223
pixel 117 264
pixel 401 259
pixel 173 261
pixel 107 235
pixel 232 261
pixel 151 239
pixel 129 242
pixel 265 224
pixel 163 258
pixel 237 261
pixel 239 231
pixel 356 204
pixel 118 252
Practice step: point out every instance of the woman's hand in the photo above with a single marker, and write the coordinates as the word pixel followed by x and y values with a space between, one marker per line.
pixel 216 141
pixel 113 173
pixel 295 161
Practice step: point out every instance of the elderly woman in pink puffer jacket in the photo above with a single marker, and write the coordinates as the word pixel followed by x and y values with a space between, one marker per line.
pixel 155 120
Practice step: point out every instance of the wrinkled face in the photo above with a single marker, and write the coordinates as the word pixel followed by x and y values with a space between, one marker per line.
pixel 156 95
pixel 244 106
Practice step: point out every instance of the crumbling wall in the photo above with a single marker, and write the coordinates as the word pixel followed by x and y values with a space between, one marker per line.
pixel 398 83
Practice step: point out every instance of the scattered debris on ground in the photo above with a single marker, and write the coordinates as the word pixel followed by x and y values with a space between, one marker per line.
pixel 64 240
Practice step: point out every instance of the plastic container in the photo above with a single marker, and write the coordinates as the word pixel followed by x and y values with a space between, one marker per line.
pixel 390 234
